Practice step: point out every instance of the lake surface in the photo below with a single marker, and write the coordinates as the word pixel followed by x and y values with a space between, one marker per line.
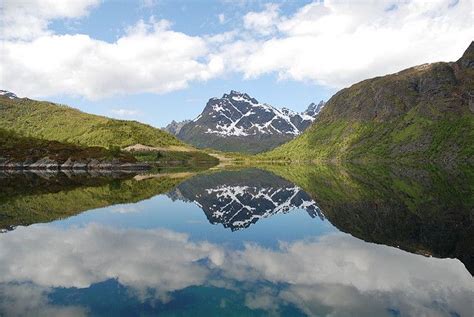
pixel 269 241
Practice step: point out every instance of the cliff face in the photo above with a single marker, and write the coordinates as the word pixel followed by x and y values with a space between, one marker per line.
pixel 424 112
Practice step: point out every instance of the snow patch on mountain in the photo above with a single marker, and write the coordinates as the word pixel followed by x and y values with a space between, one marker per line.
pixel 237 114
pixel 8 94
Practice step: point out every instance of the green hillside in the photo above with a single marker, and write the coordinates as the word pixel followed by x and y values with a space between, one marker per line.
pixel 422 113
pixel 17 148
pixel 51 121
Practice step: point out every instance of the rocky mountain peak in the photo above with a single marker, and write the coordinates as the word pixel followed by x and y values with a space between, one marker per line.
pixel 237 122
pixel 239 96
pixel 8 94
pixel 314 109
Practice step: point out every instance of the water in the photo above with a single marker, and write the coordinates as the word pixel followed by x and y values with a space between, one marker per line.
pixel 279 240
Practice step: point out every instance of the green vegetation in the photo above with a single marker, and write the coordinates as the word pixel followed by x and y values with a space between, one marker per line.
pixel 27 199
pixel 18 148
pixel 422 210
pixel 49 121
pixel 421 113
pixel 408 138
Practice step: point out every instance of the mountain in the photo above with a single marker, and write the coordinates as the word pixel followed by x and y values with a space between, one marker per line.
pixel 175 126
pixel 238 122
pixel 421 113
pixel 8 94
pixel 238 199
pixel 50 121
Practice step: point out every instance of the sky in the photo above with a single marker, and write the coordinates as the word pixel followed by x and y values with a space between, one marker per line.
pixel 160 60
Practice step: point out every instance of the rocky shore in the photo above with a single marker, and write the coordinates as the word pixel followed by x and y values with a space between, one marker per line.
pixel 47 163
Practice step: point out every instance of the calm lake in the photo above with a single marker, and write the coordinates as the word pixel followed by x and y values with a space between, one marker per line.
pixel 276 240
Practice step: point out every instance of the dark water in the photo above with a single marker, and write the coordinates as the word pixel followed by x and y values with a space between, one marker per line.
pixel 278 241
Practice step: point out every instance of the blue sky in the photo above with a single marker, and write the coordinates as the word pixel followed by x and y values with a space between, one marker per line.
pixel 159 60
pixel 198 17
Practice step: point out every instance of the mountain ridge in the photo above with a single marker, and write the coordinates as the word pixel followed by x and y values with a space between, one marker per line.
pixel 239 122
pixel 424 112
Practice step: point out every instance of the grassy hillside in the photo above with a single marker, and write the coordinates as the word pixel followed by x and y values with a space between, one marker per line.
pixel 51 121
pixel 16 148
pixel 421 113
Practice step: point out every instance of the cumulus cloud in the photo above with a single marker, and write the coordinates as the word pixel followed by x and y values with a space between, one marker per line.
pixel 150 57
pixel 335 274
pixel 263 22
pixel 27 19
pixel 333 43
pixel 337 43
pixel 125 112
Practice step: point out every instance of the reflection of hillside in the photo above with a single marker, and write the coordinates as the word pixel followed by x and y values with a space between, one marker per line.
pixel 237 199
pixel 31 198
pixel 421 211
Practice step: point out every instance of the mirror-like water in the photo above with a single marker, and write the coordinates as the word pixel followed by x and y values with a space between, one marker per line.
pixel 290 241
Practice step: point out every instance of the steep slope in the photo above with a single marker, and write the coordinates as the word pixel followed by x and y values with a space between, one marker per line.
pixel 424 112
pixel 51 121
pixel 238 122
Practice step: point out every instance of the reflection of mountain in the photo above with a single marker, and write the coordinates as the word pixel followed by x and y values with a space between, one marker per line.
pixel 27 198
pixel 429 212
pixel 237 199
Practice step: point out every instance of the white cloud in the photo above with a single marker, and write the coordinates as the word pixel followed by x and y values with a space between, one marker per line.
pixel 27 19
pixel 332 43
pixel 221 18
pixel 263 22
pixel 150 57
pixel 125 112
pixel 337 43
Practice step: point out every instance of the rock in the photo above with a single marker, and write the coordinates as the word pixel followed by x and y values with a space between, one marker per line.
pixel 82 164
pixel 93 164
pixel 44 163
pixel 68 164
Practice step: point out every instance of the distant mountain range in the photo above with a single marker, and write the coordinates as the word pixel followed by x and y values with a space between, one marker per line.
pixel 422 113
pixel 238 199
pixel 238 122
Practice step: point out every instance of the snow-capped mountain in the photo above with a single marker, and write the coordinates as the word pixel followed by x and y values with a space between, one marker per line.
pixel 239 199
pixel 238 122
pixel 8 94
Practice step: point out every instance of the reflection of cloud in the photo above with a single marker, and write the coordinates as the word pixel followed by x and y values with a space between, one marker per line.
pixel 125 209
pixel 31 300
pixel 347 276
pixel 80 257
pixel 336 274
